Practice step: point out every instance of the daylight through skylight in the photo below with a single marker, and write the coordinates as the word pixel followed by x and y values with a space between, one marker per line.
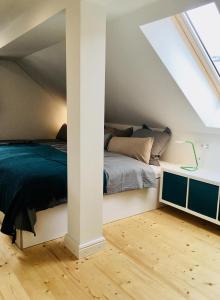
pixel 205 22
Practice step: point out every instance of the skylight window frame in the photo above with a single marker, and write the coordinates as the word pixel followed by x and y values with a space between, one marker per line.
pixel 187 27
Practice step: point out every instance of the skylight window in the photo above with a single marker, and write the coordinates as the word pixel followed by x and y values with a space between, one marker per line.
pixel 203 25
pixel 205 21
pixel 188 46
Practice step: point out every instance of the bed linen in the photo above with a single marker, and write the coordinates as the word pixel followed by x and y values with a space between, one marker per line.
pixel 124 173
pixel 33 177
pixel 121 173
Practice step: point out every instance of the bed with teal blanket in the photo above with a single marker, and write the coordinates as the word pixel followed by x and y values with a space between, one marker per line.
pixel 33 177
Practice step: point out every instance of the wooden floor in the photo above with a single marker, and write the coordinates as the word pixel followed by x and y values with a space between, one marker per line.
pixel 160 255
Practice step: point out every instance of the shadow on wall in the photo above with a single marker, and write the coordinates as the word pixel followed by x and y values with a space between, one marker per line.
pixel 27 111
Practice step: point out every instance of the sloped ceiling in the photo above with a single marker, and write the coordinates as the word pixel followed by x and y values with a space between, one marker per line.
pixel 48 68
pixel 42 36
pixel 116 8
pixel 133 70
pixel 10 9
pixel 139 89
pixel 41 53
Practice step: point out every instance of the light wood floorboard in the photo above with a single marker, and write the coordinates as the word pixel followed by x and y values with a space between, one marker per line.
pixel 160 255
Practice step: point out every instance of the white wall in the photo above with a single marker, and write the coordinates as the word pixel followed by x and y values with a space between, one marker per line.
pixel 140 90
pixel 27 111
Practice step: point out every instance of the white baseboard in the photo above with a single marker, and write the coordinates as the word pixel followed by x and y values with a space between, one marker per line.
pixel 85 249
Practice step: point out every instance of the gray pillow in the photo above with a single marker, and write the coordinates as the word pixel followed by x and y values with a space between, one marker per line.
pixel 119 132
pixel 161 140
pixel 62 133
pixel 107 138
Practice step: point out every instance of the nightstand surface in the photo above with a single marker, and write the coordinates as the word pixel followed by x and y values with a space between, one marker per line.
pixel 194 192
pixel 200 174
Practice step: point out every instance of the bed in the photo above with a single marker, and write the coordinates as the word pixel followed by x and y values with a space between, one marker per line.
pixel 136 193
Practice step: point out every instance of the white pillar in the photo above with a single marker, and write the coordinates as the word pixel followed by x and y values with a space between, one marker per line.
pixel 86 33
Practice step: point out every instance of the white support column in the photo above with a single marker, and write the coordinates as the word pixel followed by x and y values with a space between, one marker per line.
pixel 86 32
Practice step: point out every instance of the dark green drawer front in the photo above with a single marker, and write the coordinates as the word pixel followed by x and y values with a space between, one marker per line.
pixel 203 198
pixel 174 189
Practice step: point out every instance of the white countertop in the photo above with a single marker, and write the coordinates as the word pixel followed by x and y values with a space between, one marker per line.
pixel 200 174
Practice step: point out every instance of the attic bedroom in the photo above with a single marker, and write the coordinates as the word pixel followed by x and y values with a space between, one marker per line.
pixel 109 172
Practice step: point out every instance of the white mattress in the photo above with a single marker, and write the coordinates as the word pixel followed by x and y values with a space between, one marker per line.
pixel 157 170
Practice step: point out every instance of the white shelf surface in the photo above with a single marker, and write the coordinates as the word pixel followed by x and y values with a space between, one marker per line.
pixel 204 175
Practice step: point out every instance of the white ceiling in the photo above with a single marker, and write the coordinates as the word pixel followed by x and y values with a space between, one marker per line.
pixel 10 9
pixel 44 35
pixel 116 8
pixel 41 37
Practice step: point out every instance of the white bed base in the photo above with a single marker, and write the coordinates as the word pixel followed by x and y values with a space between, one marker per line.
pixel 52 223
pixel 123 205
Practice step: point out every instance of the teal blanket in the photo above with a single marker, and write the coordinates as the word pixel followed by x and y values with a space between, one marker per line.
pixel 32 178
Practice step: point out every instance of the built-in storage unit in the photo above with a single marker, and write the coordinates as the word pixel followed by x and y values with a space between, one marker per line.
pixel 194 192
pixel 174 189
pixel 203 198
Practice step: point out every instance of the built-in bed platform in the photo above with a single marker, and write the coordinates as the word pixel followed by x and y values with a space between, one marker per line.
pixel 52 223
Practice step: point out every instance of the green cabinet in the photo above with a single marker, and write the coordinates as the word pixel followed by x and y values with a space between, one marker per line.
pixel 203 198
pixel 174 189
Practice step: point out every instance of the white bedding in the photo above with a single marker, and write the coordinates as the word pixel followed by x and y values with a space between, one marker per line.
pixel 157 170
